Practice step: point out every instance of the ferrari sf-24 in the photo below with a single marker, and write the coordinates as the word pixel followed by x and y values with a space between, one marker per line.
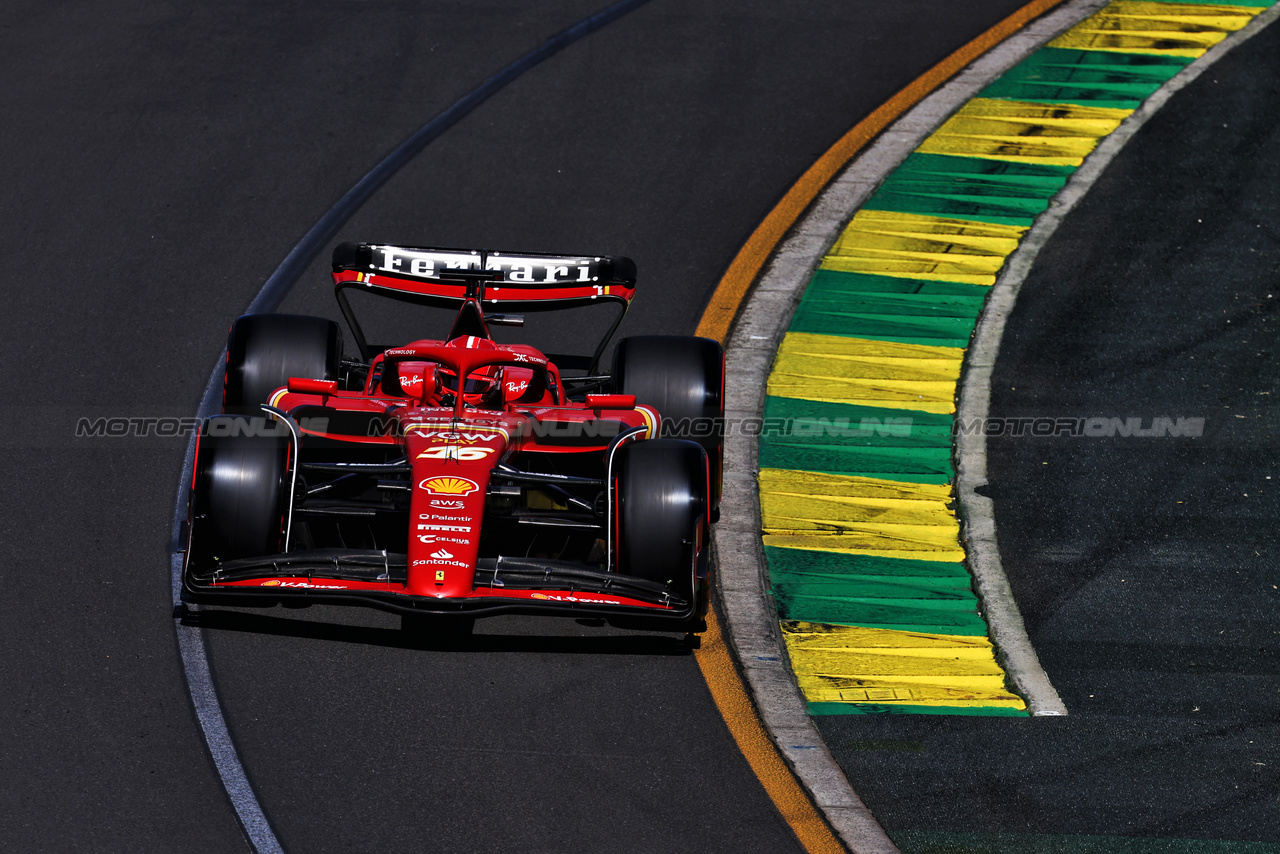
pixel 451 478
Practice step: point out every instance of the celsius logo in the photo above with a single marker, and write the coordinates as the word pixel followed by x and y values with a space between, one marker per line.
pixel 442 554
pixel 449 485
pixel 428 539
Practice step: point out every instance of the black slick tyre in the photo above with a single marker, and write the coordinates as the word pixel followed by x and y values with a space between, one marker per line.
pixel 265 350
pixel 683 378
pixel 662 513
pixel 239 489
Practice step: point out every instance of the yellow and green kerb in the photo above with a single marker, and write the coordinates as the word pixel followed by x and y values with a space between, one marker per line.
pixel 868 572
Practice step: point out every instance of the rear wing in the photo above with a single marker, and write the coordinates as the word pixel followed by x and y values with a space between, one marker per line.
pixel 524 281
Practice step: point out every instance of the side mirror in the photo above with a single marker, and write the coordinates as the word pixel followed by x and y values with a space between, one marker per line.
pixel 410 379
pixel 428 387
pixel 523 385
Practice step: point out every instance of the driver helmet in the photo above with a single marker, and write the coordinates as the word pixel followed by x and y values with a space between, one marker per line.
pixel 484 385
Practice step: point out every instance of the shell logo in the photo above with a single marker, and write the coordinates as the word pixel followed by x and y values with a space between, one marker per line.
pixel 539 596
pixel 271 584
pixel 449 486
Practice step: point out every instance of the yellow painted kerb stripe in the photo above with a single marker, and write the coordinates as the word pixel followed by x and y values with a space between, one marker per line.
pixel 860 664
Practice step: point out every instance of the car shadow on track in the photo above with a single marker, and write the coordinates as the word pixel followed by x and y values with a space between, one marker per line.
pixel 603 644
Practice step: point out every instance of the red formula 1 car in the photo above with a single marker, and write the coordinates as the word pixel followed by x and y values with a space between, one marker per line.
pixel 452 478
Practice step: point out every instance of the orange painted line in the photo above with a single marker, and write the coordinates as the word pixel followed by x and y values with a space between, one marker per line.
pixel 713 657
pixel 746 265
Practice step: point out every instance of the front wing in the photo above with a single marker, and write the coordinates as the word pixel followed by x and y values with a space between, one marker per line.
pixel 502 585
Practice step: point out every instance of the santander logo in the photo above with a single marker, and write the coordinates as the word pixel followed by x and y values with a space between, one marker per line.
pixel 442 554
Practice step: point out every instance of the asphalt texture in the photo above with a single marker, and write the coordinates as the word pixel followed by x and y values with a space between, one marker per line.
pixel 160 162
pixel 1146 567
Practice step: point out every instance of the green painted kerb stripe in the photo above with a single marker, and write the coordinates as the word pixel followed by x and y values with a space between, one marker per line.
pixel 839 438
pixel 970 188
pixel 905 709
pixel 1087 77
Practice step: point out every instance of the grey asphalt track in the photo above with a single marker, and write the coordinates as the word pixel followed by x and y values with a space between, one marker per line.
pixel 160 162
pixel 1146 568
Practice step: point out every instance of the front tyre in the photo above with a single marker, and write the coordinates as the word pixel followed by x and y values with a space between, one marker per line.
pixel 239 489
pixel 662 515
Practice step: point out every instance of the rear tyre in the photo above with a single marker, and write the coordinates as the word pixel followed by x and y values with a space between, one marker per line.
pixel 239 489
pixel 683 378
pixel 264 350
pixel 662 515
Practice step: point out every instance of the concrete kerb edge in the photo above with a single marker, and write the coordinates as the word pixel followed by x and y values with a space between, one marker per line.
pixel 977 511
pixel 751 625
